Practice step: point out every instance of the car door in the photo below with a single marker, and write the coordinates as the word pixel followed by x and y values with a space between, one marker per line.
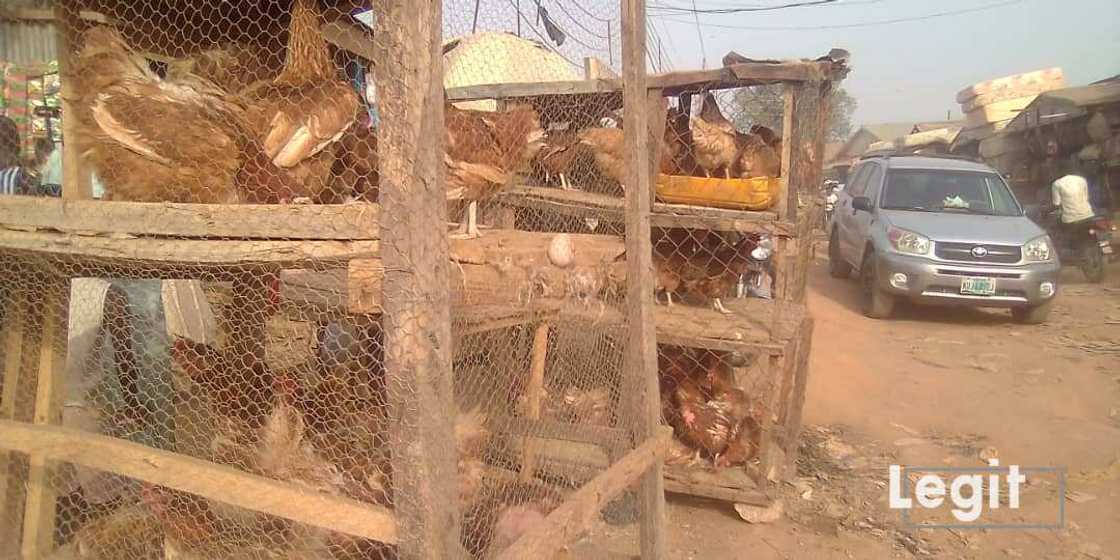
pixel 845 214
pixel 862 222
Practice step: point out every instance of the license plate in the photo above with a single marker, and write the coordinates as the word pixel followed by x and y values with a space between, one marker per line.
pixel 977 286
pixel 1106 247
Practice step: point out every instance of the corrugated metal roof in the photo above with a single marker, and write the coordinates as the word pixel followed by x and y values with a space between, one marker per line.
pixel 27 43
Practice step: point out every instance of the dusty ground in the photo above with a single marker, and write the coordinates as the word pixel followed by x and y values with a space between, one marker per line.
pixel 938 387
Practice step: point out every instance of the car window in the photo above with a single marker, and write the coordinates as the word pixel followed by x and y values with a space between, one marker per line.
pixel 929 190
pixel 856 186
pixel 871 185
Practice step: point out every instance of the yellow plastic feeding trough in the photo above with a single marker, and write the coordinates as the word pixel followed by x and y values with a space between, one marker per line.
pixel 758 193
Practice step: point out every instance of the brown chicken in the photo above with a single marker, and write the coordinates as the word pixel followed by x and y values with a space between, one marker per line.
pixel 756 158
pixel 563 156
pixel 710 269
pixel 355 174
pixel 608 148
pixel 771 138
pixel 678 156
pixel 236 384
pixel 232 67
pixel 485 153
pixel 305 109
pixel 210 154
pixel 713 139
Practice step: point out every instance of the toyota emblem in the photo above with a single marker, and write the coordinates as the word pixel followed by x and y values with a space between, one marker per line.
pixel 979 251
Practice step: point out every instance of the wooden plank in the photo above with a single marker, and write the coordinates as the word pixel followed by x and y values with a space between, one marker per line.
pixel 609 208
pixel 719 485
pixel 534 388
pixel 577 513
pixel 577 433
pixel 203 478
pixel 642 401
pixel 656 107
pixel 789 108
pixel 242 221
pixel 364 279
pixel 189 254
pixel 75 175
pixel 791 439
pixel 739 75
pixel 416 302
pixel 532 89
pixel 39 509
pixel 32 14
pixel 14 332
pixel 772 367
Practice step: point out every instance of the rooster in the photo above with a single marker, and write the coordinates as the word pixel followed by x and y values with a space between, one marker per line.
pixel 209 155
pixel 305 109
pixel 485 153
pixel 713 139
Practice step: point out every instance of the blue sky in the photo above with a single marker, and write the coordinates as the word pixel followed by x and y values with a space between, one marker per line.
pixel 901 72
pixel 912 70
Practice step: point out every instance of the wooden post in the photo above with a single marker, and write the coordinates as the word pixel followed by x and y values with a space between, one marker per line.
pixel 39 511
pixel 788 187
pixel 15 327
pixel 656 105
pixel 75 177
pixel 640 373
pixel 414 251
pixel 533 390
pixel 791 436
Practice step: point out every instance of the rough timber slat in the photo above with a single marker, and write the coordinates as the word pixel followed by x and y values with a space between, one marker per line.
pixel 577 513
pixel 605 207
pixel 202 478
pixel 533 89
pixel 185 254
pixel 244 221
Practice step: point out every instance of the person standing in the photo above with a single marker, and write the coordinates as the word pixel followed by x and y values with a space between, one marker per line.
pixel 13 178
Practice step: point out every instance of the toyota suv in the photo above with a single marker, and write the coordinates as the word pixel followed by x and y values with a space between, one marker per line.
pixel 942 231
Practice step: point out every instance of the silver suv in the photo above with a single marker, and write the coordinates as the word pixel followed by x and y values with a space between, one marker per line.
pixel 941 231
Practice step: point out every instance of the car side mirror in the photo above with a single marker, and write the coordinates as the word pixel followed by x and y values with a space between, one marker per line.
pixel 861 203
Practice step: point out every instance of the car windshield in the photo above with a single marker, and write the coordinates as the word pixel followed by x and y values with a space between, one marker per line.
pixel 932 190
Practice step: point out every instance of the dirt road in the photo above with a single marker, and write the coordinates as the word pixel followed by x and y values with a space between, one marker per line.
pixel 940 387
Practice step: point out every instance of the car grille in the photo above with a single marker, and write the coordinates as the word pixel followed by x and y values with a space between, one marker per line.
pixel 962 252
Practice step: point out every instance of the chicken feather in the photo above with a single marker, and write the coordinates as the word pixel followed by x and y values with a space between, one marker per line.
pixel 713 138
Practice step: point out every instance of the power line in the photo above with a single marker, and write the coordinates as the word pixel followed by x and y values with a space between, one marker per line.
pixel 852 25
pixel 579 23
pixel 544 40
pixel 700 35
pixel 694 10
pixel 586 11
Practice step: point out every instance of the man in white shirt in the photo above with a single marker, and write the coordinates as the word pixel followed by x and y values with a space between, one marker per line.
pixel 1070 193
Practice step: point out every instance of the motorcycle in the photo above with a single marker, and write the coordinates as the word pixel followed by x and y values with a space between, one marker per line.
pixel 830 200
pixel 755 282
pixel 1088 245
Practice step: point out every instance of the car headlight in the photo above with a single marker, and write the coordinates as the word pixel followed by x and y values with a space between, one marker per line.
pixel 905 241
pixel 1038 250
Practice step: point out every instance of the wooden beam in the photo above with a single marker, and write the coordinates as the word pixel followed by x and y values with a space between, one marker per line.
pixel 202 478
pixel 75 175
pixel 416 302
pixel 740 75
pixel 643 410
pixel 657 106
pixel 16 325
pixel 789 109
pixel 39 510
pixel 795 402
pixel 576 514
pixel 349 37
pixel 190 254
pixel 243 221
pixel 32 14
pixel 534 389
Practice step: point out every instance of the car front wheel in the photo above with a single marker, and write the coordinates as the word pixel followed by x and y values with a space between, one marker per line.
pixel 837 266
pixel 877 304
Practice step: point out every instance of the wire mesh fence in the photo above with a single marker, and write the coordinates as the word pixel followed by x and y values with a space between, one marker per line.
pixel 232 386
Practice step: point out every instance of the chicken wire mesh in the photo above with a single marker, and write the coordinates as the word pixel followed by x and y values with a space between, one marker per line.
pixel 261 368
